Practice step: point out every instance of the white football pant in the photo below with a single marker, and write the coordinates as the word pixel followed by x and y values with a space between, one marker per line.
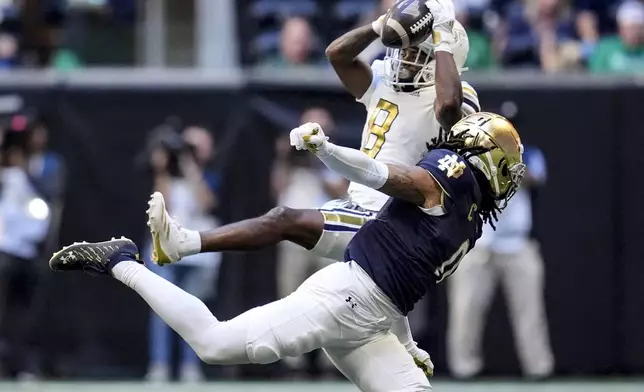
pixel 295 265
pixel 339 308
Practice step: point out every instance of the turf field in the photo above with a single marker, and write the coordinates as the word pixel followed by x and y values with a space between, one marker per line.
pixel 439 386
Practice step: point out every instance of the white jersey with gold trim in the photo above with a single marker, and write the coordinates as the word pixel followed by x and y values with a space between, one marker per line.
pixel 399 124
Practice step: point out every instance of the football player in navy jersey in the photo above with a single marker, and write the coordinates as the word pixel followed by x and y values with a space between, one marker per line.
pixel 355 309
pixel 437 208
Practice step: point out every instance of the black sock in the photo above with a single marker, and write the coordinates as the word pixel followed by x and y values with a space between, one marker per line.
pixel 117 258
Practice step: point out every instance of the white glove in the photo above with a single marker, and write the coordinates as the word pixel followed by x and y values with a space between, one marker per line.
pixel 378 24
pixel 310 136
pixel 444 17
pixel 422 359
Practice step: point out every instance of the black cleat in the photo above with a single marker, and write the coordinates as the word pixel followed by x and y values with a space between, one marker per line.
pixel 94 258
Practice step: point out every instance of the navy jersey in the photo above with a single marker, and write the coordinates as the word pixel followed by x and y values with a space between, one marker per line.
pixel 407 249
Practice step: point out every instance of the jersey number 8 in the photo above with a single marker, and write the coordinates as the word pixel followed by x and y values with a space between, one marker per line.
pixel 379 124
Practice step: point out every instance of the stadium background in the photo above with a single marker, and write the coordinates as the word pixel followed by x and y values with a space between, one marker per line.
pixel 145 61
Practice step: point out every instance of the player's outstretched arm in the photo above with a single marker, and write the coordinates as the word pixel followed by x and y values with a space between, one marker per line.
pixel 356 76
pixel 411 183
pixel 449 93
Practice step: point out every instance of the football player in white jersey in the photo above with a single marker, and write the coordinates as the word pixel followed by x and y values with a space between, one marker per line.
pixel 408 96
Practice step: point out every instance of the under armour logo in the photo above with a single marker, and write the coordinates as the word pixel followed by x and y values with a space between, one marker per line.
pixel 350 302
pixel 451 165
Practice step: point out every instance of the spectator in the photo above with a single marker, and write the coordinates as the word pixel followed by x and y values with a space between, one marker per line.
pixel 623 53
pixel 510 257
pixel 24 219
pixel 480 55
pixel 47 173
pixel 540 34
pixel 204 180
pixel 594 19
pixel 472 6
pixel 8 51
pixel 65 59
pixel 380 9
pixel 299 181
pixel 297 44
pixel 178 175
pixel 375 51
pixel 45 167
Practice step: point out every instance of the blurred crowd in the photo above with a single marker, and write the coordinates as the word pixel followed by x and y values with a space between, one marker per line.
pixel 32 187
pixel 54 33
pixel 179 161
pixel 603 36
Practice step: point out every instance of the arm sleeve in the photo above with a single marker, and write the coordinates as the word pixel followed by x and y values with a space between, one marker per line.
pixel 377 71
pixel 356 166
pixel 471 103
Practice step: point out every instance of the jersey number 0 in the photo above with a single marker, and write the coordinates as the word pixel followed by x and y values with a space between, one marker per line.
pixel 379 124
pixel 449 266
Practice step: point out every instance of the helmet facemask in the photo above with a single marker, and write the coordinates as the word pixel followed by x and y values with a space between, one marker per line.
pixel 517 171
pixel 413 68
pixel 409 69
pixel 504 178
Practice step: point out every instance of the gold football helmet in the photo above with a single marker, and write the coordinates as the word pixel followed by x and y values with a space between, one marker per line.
pixel 501 157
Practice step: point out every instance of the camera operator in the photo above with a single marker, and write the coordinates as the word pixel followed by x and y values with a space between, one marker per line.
pixel 204 181
pixel 47 169
pixel 177 166
pixel 24 218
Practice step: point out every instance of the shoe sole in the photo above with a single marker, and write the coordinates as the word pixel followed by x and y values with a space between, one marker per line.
pixel 76 245
pixel 156 208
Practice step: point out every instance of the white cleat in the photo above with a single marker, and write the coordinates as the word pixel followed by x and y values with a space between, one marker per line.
pixel 167 234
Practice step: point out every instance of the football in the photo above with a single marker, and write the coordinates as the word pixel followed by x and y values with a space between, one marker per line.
pixel 408 23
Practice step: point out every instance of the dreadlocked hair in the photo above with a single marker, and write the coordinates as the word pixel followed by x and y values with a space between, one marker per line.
pixel 488 209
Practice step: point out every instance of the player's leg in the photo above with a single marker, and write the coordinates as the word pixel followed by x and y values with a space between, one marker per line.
pixel 293 267
pixel 523 274
pixel 302 227
pixel 211 339
pixel 315 315
pixel 382 364
pixel 342 220
pixel 160 337
pixel 470 292
pixel 190 279
pixel 172 242
pixel 326 231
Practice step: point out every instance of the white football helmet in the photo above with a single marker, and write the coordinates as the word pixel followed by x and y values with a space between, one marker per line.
pixel 411 72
